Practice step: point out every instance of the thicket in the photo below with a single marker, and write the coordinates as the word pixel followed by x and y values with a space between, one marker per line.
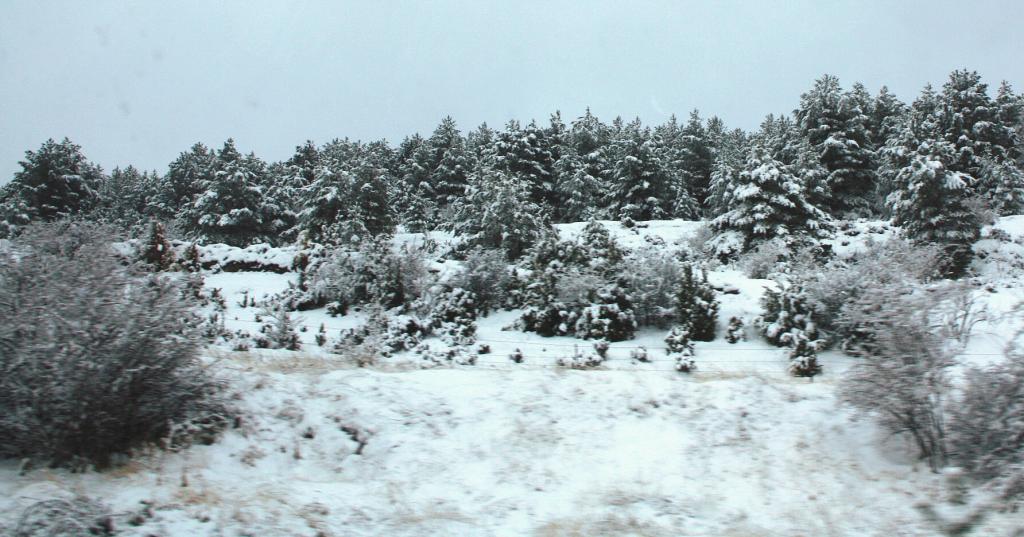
pixel 95 360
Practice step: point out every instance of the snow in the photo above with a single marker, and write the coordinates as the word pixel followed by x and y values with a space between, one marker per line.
pixel 737 448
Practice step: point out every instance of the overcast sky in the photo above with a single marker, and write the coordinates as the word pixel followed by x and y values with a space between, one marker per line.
pixel 139 82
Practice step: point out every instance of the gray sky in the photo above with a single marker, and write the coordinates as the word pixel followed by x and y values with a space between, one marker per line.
pixel 139 82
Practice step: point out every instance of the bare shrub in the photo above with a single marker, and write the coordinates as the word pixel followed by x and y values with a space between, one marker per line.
pixel 903 375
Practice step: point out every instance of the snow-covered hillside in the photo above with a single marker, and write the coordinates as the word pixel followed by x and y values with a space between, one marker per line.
pixel 498 448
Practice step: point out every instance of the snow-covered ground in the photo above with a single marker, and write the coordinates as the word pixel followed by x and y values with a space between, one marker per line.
pixel 737 448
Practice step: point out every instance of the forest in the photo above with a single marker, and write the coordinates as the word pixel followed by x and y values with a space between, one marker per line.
pixel 857 257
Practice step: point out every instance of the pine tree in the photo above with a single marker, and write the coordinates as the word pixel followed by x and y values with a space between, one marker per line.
pixel 183 182
pixel 157 252
pixel 969 121
pixel 836 127
pixel 231 208
pixel 448 162
pixel 931 205
pixel 1002 185
pixel 640 183
pixel 372 208
pixel 698 159
pixel 768 202
pixel 54 182
pixel 696 306
pixel 123 197
pixel 526 154
pixel 498 212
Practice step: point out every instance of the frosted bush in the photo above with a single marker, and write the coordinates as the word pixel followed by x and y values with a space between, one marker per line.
pixel 95 360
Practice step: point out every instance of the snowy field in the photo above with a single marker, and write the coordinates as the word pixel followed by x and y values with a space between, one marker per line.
pixel 738 448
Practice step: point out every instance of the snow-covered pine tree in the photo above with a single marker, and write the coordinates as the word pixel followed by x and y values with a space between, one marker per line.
pixel 969 121
pixel 498 212
pixel 526 154
pixel 1002 184
pixel 231 207
pixel 124 196
pixel 696 305
pixel 372 207
pixel 931 205
pixel 640 183
pixel 698 159
pixel 769 202
pixel 836 127
pixel 416 190
pixel 157 252
pixel 449 163
pixel 54 182
pixel 182 182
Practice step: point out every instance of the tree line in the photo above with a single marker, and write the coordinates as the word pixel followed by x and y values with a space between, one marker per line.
pixel 932 166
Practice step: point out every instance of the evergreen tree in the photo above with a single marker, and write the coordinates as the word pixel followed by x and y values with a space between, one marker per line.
pixel 525 153
pixel 768 202
pixel 231 207
pixel 124 197
pixel 448 163
pixel 183 181
pixel 640 183
pixel 157 252
pixel 372 208
pixel 54 182
pixel 696 306
pixel 419 199
pixel 969 121
pixel 836 127
pixel 698 159
pixel 498 212
pixel 931 205
pixel 1002 185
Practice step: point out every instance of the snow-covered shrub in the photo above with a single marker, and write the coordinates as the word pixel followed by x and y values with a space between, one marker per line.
pixel 430 358
pixel 639 355
pixel 902 376
pixel 786 311
pixel 381 335
pixel 685 363
pixel 373 273
pixel 279 330
pixel 986 428
pixel 156 252
pixel 696 305
pixel 485 273
pixel 611 320
pixel 803 354
pixel 453 316
pixel 580 361
pixel 601 347
pixel 75 517
pixel 652 275
pixel 516 356
pixel 736 331
pixel 95 360
pixel 762 260
pixel 321 336
pixel 678 340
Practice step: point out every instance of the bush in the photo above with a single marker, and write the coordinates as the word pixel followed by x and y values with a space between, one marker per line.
pixel 279 330
pixel 735 332
pixel 372 274
pixel 485 274
pixel 903 375
pixel 652 275
pixel 580 361
pixel 453 316
pixel 95 360
pixel 696 306
pixel 679 347
pixel 76 517
pixel 987 423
